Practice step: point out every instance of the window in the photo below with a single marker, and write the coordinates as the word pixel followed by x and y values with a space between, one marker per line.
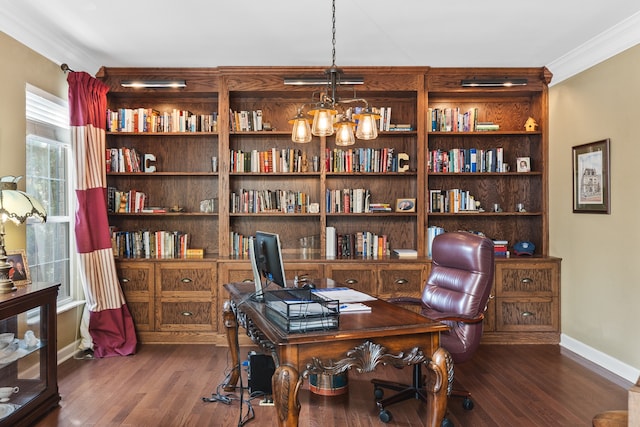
pixel 50 252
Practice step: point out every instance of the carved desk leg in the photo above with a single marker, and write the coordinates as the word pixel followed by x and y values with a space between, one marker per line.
pixel 437 386
pixel 286 383
pixel 231 324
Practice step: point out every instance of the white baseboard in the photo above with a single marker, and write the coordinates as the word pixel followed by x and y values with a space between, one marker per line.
pixel 68 351
pixel 609 363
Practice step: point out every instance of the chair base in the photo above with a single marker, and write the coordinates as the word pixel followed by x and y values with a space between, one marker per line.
pixel 414 391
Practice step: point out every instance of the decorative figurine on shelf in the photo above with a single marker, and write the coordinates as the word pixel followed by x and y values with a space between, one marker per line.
pixel 530 125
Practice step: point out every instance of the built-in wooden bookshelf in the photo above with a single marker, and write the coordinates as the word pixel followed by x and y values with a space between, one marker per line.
pixel 252 109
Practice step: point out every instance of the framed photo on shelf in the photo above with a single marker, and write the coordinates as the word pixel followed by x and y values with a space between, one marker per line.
pixel 591 188
pixel 405 205
pixel 523 164
pixel 19 271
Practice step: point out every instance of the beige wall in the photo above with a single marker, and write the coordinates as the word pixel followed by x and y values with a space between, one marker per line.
pixel 21 65
pixel 600 285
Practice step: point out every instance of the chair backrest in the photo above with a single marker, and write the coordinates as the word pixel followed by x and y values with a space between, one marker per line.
pixel 459 285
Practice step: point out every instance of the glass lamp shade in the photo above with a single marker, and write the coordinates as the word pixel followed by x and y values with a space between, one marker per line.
pixel 322 121
pixel 301 132
pixel 17 205
pixel 344 133
pixel 367 126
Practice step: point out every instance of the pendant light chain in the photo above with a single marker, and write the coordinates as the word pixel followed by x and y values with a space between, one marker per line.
pixel 333 33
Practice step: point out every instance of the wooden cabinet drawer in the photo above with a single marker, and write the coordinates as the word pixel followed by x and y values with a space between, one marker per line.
pixel 135 277
pixel 187 278
pixel 136 280
pixel 401 280
pixel 181 314
pixel 527 279
pixel 362 278
pixel 530 314
pixel 304 270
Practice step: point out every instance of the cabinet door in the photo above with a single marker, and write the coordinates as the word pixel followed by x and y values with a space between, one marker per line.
pixel 186 296
pixel 356 276
pixel 137 280
pixel 527 314
pixel 527 296
pixel 527 279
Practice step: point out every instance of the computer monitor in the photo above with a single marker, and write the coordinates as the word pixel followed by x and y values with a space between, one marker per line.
pixel 268 256
pixel 257 279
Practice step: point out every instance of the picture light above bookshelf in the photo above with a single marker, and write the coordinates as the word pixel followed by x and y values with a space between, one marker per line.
pixel 157 84
pixel 500 82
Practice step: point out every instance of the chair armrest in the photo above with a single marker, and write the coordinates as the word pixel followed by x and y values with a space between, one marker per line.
pixel 456 318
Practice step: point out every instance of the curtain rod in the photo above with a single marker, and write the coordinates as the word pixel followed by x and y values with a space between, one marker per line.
pixel 64 67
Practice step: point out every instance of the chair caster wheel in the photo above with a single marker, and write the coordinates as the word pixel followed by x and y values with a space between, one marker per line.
pixel 467 403
pixel 378 393
pixel 446 422
pixel 385 416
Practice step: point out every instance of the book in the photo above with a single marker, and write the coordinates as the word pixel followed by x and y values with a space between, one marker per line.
pixel 406 253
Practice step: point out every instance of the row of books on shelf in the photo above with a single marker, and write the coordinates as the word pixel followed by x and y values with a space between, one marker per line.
pixel 273 160
pixel 453 200
pixel 432 232
pixel 123 160
pixel 263 201
pixel 149 244
pixel 377 160
pixel 348 200
pixel 364 244
pixel 245 120
pixel 467 160
pixel 131 201
pixel 151 120
pixel 454 119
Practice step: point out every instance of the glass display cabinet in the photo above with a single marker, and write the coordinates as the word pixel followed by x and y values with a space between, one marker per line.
pixel 28 354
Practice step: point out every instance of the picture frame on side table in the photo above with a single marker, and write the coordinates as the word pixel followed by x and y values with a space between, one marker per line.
pixel 19 271
pixel 591 177
pixel 405 205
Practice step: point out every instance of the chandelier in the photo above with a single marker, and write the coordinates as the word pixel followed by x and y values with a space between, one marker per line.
pixel 332 114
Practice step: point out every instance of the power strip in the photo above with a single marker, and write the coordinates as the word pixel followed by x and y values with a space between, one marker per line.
pixel 265 402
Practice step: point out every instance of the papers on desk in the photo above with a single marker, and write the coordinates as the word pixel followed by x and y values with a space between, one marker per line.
pixel 354 307
pixel 344 295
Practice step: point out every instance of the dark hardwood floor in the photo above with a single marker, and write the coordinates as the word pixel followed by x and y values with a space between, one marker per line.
pixel 163 385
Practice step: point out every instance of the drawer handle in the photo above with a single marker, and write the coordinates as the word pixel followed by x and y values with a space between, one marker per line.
pixel 401 282
pixel 351 281
pixel 527 314
pixel 527 281
pixel 247 280
pixel 124 280
pixel 187 313
pixel 186 280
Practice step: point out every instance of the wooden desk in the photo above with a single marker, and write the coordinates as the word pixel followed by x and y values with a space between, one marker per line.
pixel 389 334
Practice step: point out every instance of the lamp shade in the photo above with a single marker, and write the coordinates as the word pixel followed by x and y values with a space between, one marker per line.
pixel 367 126
pixel 344 133
pixel 322 121
pixel 17 206
pixel 301 132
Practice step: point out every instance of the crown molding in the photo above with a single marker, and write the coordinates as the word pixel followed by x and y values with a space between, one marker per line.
pixel 609 43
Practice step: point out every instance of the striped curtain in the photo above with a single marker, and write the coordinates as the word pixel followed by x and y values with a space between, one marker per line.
pixel 110 323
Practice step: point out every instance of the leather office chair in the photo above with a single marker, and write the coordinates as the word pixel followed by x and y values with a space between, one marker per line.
pixel 456 293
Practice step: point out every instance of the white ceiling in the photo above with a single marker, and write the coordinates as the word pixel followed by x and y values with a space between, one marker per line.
pixel 565 35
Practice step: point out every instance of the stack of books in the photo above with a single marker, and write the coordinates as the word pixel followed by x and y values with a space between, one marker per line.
pixel 501 248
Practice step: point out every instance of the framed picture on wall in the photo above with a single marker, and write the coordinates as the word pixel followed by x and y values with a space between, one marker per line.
pixel 591 188
pixel 19 271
